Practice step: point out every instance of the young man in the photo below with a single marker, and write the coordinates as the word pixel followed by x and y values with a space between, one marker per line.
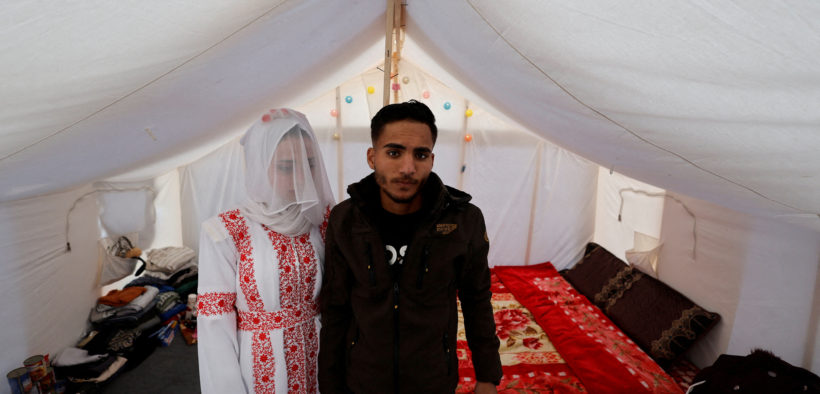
pixel 398 252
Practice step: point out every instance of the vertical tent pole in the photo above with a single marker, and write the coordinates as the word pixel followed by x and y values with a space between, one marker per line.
pixel 339 150
pixel 534 200
pixel 388 49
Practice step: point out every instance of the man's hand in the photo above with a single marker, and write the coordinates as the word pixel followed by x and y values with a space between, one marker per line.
pixel 485 388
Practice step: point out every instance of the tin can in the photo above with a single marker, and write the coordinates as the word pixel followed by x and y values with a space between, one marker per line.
pixel 19 381
pixel 47 384
pixel 36 366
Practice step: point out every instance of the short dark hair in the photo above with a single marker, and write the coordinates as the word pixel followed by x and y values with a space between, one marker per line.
pixel 411 110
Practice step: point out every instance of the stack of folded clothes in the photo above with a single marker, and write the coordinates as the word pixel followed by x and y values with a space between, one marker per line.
pixel 175 267
pixel 124 308
pixel 130 323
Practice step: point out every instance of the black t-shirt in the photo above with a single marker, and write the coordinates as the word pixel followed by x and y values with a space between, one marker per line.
pixel 396 232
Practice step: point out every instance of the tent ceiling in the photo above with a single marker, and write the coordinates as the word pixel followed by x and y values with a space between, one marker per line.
pixel 717 101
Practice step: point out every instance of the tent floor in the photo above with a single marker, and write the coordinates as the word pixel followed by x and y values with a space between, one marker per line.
pixel 172 369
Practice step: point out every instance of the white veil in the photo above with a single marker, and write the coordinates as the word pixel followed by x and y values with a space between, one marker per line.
pixel 285 176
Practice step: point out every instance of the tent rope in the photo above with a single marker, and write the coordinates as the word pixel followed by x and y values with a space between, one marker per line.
pixel 623 127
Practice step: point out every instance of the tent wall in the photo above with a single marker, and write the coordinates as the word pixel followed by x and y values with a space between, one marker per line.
pixel 761 275
pixel 46 291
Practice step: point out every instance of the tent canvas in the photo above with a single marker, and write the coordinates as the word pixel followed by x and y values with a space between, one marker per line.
pixel 711 102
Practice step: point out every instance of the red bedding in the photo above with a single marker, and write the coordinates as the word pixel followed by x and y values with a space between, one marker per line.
pixel 553 340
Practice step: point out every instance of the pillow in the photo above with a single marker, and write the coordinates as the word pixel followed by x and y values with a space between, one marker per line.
pixel 645 261
pixel 644 254
pixel 593 272
pixel 663 322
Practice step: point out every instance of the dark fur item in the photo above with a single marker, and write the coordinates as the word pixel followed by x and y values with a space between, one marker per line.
pixel 759 372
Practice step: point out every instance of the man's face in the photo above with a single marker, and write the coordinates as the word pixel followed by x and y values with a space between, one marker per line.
pixel 402 159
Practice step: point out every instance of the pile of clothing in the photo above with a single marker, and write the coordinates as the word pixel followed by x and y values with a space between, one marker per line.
pixel 130 323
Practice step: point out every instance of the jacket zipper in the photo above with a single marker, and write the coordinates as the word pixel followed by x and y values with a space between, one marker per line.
pixel 446 344
pixel 424 267
pixel 370 269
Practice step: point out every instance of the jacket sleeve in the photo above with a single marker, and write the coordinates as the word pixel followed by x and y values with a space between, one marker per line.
pixel 474 293
pixel 336 314
pixel 219 370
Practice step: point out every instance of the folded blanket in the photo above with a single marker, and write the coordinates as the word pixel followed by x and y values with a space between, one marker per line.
pixel 121 297
pixel 169 259
pixel 139 303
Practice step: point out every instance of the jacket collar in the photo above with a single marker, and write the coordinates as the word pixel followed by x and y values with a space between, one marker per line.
pixel 435 194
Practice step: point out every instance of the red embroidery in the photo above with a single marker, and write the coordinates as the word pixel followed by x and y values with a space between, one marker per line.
pixel 288 275
pixel 301 354
pixel 238 229
pixel 308 268
pixel 323 226
pixel 212 304
pixel 263 359
pixel 298 268
pixel 283 318
pixel 264 365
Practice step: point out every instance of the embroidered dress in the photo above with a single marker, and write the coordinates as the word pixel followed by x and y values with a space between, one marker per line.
pixel 258 326
pixel 260 266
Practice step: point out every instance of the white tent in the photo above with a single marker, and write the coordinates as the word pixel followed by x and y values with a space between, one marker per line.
pixel 712 104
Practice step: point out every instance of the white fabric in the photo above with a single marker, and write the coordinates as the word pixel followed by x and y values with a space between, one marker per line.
pixel 644 254
pixel 126 211
pixel 285 175
pixel 169 259
pixel 225 353
pixel 73 356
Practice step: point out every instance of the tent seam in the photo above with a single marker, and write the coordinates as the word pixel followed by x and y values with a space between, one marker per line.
pixel 616 123
pixel 149 83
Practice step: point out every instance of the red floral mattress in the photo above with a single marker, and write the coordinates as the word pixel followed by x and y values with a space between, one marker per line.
pixel 553 340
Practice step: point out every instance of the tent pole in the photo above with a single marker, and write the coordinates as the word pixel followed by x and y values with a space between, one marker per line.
pixel 339 150
pixel 388 50
pixel 534 200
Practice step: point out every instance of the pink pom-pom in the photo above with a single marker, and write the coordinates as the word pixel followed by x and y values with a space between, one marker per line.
pixel 396 86
pixel 266 118
pixel 334 113
pixel 425 94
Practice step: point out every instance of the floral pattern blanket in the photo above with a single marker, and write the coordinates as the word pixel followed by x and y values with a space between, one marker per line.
pixel 553 340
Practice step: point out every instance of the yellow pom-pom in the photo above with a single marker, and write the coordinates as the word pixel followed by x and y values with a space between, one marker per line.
pixel 371 90
pixel 468 113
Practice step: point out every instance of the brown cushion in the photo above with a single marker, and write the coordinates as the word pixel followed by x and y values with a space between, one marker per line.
pixel 594 271
pixel 663 322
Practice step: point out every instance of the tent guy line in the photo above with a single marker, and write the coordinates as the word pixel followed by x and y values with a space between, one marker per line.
pixel 145 85
pixel 627 129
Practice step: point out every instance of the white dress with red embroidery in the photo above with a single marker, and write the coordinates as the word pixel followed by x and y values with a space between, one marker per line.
pixel 258 327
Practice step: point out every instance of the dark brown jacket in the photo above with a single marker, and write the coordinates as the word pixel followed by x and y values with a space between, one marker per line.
pixel 381 337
